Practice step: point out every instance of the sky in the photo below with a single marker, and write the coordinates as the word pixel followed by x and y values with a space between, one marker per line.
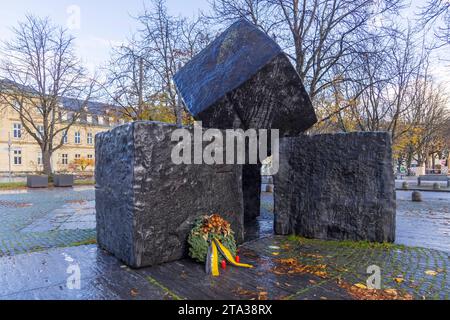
pixel 105 23
pixel 102 23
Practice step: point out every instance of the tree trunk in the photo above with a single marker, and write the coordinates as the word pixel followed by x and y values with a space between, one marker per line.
pixel 409 159
pixel 141 90
pixel 179 112
pixel 47 162
pixel 399 163
pixel 179 106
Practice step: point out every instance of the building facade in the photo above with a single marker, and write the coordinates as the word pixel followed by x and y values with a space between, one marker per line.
pixel 20 153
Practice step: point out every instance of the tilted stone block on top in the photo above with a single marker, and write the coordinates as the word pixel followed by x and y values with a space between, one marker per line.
pixel 337 186
pixel 146 205
pixel 244 80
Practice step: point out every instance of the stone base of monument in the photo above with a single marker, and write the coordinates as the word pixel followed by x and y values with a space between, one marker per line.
pixel 146 205
pixel 336 187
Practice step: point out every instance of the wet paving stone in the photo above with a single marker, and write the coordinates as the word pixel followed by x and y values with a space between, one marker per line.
pixel 34 264
pixel 424 224
pixel 44 275
pixel 51 218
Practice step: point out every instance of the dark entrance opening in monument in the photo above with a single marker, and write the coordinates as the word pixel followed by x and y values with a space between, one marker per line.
pixel 259 221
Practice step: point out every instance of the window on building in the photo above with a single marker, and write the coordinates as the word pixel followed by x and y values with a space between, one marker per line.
pixel 65 137
pixel 78 156
pixel 39 159
pixel 90 156
pixel 41 131
pixel 90 138
pixel 65 159
pixel 17 157
pixel 77 137
pixel 17 130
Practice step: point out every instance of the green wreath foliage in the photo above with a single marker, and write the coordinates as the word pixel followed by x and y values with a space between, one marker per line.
pixel 199 241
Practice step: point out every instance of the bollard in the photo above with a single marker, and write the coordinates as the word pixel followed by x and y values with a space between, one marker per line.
pixel 416 196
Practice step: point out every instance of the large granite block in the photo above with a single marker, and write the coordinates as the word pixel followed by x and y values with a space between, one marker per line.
pixel 337 186
pixel 146 205
pixel 244 80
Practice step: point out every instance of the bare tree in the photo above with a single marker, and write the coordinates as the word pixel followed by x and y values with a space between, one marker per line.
pixel 382 92
pixel 141 73
pixel 317 34
pixel 129 82
pixel 168 42
pixel 436 13
pixel 431 124
pixel 41 68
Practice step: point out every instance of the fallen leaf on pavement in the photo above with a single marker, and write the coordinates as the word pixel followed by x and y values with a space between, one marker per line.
pixel 361 292
pixel 292 266
pixel 360 286
pixel 310 255
pixel 262 295
pixel 399 280
pixel 134 292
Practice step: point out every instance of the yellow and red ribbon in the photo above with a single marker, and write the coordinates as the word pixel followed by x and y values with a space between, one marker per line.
pixel 212 261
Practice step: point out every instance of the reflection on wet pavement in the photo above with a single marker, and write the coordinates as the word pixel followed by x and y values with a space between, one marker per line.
pixel 73 215
pixel 425 224
pixel 263 226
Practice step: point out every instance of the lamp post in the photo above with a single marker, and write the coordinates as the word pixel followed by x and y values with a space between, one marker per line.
pixel 9 156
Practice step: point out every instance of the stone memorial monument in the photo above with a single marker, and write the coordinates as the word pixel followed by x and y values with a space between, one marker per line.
pixel 328 187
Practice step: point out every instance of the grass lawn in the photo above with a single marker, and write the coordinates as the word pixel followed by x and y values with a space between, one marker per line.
pixel 22 185
pixel 84 182
pixel 12 185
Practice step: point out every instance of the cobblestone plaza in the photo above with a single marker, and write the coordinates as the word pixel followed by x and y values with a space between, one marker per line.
pixel 45 231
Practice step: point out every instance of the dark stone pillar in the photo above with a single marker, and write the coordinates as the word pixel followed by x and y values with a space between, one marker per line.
pixel 251 188
pixel 337 187
pixel 146 205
